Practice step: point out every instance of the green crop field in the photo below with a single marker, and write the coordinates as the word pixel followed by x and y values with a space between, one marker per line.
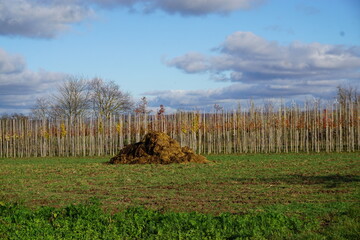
pixel 262 196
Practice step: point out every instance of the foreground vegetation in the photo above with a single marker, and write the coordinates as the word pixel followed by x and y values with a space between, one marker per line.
pixel 273 196
pixel 90 222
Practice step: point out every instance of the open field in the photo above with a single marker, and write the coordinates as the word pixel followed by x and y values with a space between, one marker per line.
pixel 320 187
pixel 230 184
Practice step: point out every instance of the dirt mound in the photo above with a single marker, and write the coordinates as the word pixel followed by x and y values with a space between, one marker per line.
pixel 158 148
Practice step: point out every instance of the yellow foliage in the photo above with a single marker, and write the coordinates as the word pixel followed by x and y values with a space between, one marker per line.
pixel 118 127
pixel 63 130
pixel 195 123
pixel 183 129
pixel 45 134
pixel 7 137
pixel 101 127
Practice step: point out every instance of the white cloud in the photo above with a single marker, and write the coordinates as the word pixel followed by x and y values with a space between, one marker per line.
pixel 49 18
pixel 191 62
pixel 183 7
pixel 230 96
pixel 247 44
pixel 39 19
pixel 19 86
pixel 10 63
pixel 262 69
pixel 203 7
pixel 250 58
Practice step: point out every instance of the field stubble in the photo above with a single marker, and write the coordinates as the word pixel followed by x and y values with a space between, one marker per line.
pixel 230 183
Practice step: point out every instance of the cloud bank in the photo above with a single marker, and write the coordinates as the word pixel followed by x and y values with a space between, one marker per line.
pixel 49 18
pixel 19 87
pixel 39 19
pixel 184 7
pixel 250 58
pixel 260 69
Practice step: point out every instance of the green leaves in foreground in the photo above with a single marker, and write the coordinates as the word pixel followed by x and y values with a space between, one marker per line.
pixel 89 221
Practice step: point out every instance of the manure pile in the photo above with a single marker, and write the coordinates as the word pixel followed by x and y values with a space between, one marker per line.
pixel 156 148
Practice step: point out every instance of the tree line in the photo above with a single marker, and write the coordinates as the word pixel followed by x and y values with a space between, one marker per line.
pixel 79 97
pixel 311 127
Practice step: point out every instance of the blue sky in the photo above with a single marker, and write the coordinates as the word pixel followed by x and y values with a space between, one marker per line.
pixel 184 54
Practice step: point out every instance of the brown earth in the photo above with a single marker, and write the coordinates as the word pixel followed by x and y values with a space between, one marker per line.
pixel 157 148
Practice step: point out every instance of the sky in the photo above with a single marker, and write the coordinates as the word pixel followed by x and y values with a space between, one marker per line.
pixel 184 54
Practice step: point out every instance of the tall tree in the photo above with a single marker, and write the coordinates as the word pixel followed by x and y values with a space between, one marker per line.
pixel 347 94
pixel 107 98
pixel 42 108
pixel 142 106
pixel 72 99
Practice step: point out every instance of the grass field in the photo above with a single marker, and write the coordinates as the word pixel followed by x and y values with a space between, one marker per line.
pixel 321 189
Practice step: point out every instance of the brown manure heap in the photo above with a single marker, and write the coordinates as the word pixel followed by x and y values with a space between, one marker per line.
pixel 156 148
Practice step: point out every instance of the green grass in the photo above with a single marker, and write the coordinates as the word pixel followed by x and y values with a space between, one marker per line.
pixel 89 221
pixel 319 194
pixel 230 184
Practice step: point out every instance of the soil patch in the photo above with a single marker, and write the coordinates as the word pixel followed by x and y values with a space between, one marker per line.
pixel 156 148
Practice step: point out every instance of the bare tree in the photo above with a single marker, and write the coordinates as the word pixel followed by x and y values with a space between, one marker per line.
pixel 108 99
pixel 347 94
pixel 77 96
pixel 72 99
pixel 42 108
pixel 142 106
pixel 13 116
